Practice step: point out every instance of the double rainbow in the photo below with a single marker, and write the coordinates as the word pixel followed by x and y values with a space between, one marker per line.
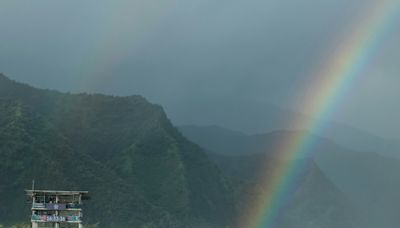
pixel 329 87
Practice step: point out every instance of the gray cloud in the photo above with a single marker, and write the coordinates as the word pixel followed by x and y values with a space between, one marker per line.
pixel 178 51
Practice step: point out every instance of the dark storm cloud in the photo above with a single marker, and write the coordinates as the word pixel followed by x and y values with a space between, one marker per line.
pixel 177 51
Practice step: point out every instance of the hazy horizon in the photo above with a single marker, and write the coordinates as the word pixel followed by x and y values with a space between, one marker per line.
pixel 184 52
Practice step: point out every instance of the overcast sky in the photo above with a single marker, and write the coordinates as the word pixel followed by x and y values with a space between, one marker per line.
pixel 179 50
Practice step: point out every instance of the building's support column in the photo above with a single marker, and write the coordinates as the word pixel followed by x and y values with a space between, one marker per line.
pixel 80 211
pixel 34 224
pixel 57 225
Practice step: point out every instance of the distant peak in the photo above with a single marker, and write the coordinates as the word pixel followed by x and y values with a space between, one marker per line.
pixel 4 78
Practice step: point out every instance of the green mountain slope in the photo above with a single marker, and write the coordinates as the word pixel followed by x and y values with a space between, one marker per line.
pixel 138 168
pixel 368 180
pixel 315 201
pixel 32 149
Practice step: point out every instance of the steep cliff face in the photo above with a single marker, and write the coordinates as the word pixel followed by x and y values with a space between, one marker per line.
pixel 138 168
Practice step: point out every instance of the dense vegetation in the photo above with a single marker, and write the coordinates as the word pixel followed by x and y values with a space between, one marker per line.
pixel 140 171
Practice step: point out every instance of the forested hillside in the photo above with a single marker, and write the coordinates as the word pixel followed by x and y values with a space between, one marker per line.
pixel 138 168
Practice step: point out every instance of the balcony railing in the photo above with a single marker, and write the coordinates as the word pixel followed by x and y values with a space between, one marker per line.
pixel 55 218
pixel 55 206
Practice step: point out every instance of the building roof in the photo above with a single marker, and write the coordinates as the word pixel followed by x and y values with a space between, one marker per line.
pixel 56 192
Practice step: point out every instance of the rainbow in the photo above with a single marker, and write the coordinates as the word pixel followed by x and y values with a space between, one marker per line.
pixel 329 86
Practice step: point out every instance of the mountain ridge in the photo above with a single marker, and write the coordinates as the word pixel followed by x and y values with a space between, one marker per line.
pixel 102 144
pixel 252 118
pixel 367 179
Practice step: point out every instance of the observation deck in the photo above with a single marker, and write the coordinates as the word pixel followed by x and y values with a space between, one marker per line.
pixel 56 207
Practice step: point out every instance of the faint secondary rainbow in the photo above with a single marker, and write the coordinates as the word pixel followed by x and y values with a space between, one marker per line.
pixel 327 89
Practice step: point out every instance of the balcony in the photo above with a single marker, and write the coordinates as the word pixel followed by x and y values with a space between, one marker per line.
pixel 55 207
pixel 56 218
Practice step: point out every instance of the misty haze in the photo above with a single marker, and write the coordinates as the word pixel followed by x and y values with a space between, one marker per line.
pixel 197 113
